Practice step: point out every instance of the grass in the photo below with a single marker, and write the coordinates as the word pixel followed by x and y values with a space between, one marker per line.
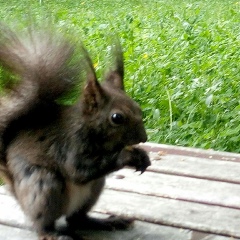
pixel 181 58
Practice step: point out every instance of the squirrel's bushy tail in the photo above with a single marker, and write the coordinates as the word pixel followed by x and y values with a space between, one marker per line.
pixel 44 65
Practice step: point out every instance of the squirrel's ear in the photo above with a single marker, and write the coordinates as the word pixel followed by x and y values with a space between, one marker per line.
pixel 93 95
pixel 114 78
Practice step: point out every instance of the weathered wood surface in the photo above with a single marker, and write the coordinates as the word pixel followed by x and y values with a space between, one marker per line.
pixel 187 194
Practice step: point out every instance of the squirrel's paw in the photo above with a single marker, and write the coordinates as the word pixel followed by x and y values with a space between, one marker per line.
pixel 118 223
pixel 138 159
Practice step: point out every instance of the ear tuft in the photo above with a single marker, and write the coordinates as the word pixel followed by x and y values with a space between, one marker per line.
pixel 114 78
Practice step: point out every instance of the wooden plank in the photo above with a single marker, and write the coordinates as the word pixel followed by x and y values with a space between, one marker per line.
pixel 170 212
pixel 11 233
pixel 140 231
pixel 175 187
pixel 202 168
pixel 11 214
pixel 194 152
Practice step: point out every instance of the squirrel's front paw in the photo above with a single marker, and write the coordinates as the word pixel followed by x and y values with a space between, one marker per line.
pixel 137 158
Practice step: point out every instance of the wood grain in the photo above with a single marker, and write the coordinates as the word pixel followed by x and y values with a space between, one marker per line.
pixel 195 167
pixel 176 187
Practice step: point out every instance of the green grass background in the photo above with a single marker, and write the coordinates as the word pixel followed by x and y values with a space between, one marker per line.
pixel 181 59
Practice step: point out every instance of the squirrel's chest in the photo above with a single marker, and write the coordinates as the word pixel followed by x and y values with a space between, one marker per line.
pixel 76 196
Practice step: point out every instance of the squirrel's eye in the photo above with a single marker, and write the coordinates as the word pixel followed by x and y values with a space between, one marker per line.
pixel 117 118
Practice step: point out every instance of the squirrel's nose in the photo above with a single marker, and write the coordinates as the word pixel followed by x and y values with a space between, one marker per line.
pixel 141 135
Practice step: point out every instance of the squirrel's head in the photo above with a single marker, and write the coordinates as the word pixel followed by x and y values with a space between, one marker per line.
pixel 111 114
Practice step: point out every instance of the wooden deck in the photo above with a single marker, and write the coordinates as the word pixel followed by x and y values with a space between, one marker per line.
pixel 187 194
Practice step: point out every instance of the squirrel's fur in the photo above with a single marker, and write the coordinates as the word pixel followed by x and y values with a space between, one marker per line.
pixel 55 157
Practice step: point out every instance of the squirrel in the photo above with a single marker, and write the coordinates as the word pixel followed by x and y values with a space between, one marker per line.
pixel 55 156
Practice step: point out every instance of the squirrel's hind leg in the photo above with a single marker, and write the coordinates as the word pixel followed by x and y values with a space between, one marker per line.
pixel 80 220
pixel 40 192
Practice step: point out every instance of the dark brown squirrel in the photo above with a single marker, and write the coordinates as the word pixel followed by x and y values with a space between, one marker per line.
pixel 55 156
